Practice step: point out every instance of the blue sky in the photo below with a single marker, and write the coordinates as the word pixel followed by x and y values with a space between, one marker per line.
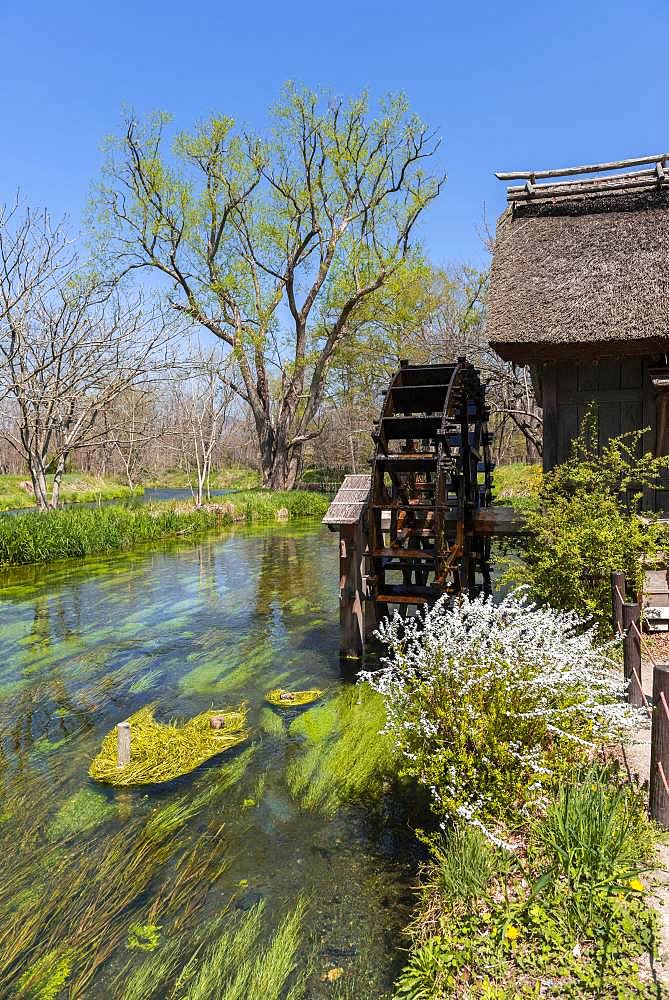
pixel 520 86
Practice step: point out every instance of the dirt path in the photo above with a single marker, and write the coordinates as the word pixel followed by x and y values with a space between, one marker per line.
pixel 636 755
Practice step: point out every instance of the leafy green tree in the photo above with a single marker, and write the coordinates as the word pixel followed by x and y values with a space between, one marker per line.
pixel 425 314
pixel 274 245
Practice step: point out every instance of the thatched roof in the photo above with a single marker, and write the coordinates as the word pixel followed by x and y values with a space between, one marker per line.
pixel 581 269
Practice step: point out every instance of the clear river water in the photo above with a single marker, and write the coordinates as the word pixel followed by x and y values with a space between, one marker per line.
pixel 186 626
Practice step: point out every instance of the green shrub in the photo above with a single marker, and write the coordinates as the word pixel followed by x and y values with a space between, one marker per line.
pixel 491 704
pixel 575 545
pixel 587 525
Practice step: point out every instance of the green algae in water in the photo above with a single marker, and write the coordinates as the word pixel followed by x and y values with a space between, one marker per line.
pixel 44 745
pixel 144 937
pixel 227 958
pixel 345 756
pixel 163 751
pixel 226 670
pixel 238 965
pixel 292 699
pixel 239 616
pixel 45 979
pixel 145 682
pixel 271 723
pixel 86 809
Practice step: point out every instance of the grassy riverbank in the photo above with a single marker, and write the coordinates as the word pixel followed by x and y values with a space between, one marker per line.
pixel 77 487
pixel 517 485
pixel 231 478
pixel 68 534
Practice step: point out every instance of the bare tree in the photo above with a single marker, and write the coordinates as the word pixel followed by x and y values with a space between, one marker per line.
pixel 69 347
pixel 202 403
pixel 131 424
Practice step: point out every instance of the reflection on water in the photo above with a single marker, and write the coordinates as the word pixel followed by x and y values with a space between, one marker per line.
pixel 83 645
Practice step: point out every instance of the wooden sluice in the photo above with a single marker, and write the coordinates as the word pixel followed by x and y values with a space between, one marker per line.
pixel 424 513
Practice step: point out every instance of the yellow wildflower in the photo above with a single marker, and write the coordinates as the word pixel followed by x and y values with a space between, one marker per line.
pixel 635 885
pixel 512 932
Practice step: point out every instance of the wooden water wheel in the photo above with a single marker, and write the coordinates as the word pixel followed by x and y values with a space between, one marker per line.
pixel 421 524
pixel 431 474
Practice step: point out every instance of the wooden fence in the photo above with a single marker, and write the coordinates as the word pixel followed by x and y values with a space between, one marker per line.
pixel 627 623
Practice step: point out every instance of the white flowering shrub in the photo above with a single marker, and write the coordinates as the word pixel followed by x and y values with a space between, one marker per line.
pixel 490 704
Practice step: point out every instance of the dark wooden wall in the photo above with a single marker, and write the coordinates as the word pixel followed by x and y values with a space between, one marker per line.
pixel 625 399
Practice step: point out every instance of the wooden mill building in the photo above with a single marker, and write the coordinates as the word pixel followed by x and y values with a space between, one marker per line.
pixel 580 293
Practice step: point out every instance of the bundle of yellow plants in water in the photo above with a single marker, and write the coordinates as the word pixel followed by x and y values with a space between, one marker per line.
pixel 161 751
pixel 289 699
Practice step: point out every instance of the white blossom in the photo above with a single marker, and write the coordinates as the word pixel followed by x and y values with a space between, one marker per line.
pixel 529 671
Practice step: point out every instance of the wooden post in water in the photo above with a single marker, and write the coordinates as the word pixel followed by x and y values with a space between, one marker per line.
pixel 350 597
pixel 658 802
pixel 122 744
pixel 618 585
pixel 632 654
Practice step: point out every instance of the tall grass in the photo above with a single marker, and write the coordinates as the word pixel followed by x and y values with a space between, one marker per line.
pixel 594 839
pixel 263 505
pixel 67 534
pixel 72 534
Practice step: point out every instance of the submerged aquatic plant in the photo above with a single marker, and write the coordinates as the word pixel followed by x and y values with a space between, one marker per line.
pixel 237 965
pixel 64 913
pixel 145 937
pixel 163 751
pixel 225 958
pixel 346 755
pixel 45 978
pixel 291 699
pixel 85 810
pixel 271 723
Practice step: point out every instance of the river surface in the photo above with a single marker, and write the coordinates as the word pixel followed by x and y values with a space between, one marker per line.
pixel 151 494
pixel 186 627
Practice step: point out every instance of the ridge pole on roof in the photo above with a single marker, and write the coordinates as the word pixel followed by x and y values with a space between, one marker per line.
pixel 592 168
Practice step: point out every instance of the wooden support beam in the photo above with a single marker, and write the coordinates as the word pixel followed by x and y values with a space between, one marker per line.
pixel 658 801
pixel 505 521
pixel 618 586
pixel 632 654
pixel 357 615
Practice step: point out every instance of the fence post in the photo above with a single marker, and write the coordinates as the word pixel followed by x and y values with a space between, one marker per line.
pixel 632 654
pixel 618 585
pixel 122 744
pixel 658 800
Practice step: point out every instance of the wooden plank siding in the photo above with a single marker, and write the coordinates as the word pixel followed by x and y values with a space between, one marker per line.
pixel 625 398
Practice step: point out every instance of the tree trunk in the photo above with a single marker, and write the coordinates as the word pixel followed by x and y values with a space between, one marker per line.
pixel 38 478
pixel 57 480
pixel 283 468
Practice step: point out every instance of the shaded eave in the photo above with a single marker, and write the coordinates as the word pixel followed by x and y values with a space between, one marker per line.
pixel 530 352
